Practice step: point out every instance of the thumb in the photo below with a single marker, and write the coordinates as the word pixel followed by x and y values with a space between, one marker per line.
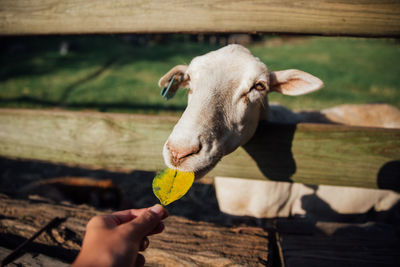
pixel 146 222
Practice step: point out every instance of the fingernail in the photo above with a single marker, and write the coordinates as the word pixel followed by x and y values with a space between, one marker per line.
pixel 157 209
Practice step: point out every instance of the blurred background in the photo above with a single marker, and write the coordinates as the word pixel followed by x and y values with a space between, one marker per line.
pixel 119 73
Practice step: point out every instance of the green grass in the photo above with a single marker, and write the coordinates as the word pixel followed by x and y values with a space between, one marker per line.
pixel 353 70
pixel 108 74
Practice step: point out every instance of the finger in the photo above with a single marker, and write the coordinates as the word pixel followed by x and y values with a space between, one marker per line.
pixel 165 214
pixel 159 228
pixel 146 222
pixel 138 212
pixel 145 244
pixel 140 261
pixel 123 216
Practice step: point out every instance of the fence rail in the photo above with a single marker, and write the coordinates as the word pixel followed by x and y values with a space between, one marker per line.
pixel 305 153
pixel 326 17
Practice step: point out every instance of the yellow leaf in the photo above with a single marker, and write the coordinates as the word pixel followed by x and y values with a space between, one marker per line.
pixel 170 185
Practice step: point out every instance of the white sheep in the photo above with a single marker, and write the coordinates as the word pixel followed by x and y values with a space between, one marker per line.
pixel 227 98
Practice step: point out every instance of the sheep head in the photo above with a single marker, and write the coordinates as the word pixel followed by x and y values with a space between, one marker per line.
pixel 227 94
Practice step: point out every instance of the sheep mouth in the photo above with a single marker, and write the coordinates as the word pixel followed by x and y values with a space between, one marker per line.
pixel 199 173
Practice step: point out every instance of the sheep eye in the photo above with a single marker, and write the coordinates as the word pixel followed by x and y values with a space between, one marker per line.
pixel 259 86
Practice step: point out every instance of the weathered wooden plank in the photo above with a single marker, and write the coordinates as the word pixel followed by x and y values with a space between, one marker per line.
pixel 183 243
pixel 328 17
pixel 319 154
pixel 88 139
pixel 306 153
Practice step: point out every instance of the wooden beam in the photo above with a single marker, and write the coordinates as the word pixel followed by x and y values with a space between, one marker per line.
pixel 326 17
pixel 306 153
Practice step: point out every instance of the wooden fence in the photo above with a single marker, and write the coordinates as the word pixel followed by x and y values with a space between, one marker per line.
pixel 306 153
pixel 327 17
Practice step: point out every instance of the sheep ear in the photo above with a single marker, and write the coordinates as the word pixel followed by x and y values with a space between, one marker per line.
pixel 294 82
pixel 180 75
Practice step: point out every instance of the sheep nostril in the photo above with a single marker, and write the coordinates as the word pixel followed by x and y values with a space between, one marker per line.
pixel 180 153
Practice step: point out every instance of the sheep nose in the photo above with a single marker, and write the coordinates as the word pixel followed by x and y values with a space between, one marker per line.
pixel 180 153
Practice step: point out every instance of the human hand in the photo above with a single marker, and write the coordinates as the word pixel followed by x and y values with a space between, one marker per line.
pixel 116 239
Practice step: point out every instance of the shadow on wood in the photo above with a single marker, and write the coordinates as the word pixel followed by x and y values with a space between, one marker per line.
pixel 309 153
pixel 273 142
pixel 314 204
pixel 389 176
